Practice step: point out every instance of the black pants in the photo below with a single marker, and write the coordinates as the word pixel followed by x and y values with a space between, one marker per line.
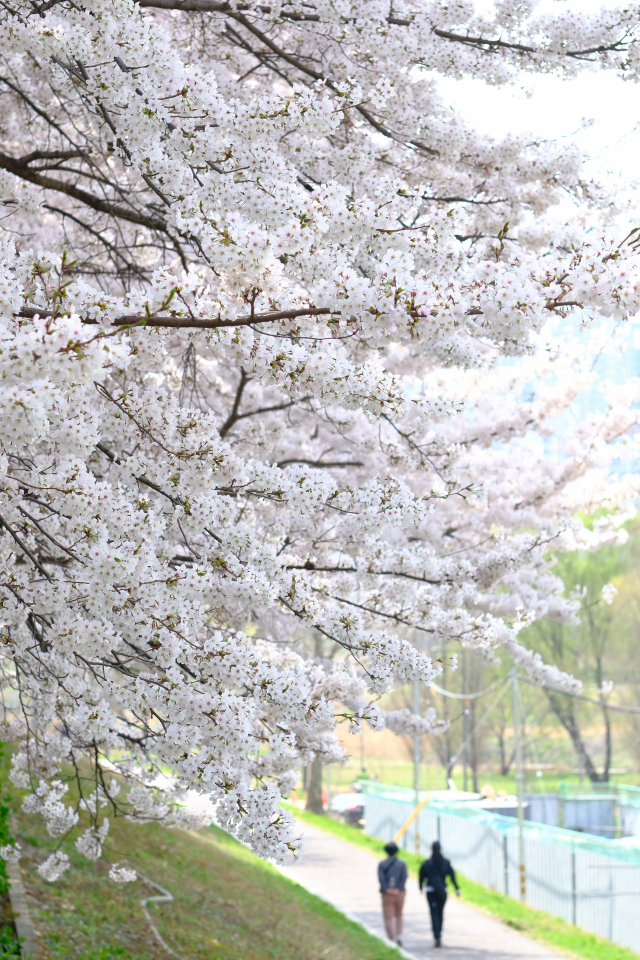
pixel 436 900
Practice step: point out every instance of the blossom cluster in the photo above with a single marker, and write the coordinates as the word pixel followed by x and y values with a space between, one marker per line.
pixel 257 435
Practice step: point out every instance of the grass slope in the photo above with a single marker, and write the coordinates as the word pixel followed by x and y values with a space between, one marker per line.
pixel 228 904
pixel 534 923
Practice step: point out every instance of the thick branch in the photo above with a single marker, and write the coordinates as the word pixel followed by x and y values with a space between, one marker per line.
pixel 233 416
pixel 20 169
pixel 312 568
pixel 213 323
pixel 220 6
pixel 193 323
pixel 322 463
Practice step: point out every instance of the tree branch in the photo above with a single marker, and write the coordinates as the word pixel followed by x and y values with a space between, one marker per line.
pixel 322 463
pixel 220 6
pixel 192 323
pixel 487 43
pixel 24 547
pixel 492 45
pixel 233 416
pixel 19 169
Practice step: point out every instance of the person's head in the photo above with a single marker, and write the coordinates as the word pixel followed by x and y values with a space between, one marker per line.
pixel 435 847
pixel 391 849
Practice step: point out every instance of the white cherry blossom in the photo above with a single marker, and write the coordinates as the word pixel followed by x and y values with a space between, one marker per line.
pixel 54 866
pixel 121 874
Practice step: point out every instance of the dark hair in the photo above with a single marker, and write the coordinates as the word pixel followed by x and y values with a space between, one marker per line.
pixel 391 849
pixel 436 852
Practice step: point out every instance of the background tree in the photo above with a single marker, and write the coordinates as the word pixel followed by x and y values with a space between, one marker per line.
pixel 501 723
pixel 593 647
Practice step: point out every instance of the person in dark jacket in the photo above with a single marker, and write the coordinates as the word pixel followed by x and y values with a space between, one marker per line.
pixel 433 875
pixel 392 874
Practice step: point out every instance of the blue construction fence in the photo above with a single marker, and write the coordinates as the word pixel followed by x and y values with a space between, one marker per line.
pixel 586 880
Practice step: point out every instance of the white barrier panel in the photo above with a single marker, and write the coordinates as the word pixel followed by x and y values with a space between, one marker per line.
pixel 585 880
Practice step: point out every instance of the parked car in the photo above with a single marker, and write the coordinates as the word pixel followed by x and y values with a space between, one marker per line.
pixel 349 806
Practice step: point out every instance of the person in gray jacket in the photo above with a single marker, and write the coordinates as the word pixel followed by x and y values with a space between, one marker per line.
pixel 392 874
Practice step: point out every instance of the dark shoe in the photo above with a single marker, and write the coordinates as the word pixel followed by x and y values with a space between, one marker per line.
pixel 438 943
pixel 399 941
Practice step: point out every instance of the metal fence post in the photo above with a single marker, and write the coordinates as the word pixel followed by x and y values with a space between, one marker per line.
pixel 465 722
pixel 505 854
pixel 519 781
pixel 574 895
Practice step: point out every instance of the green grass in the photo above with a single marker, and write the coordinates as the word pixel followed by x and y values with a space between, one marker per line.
pixel 534 923
pixel 9 945
pixel 229 905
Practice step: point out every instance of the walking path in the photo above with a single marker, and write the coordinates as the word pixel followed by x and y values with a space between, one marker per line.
pixel 346 876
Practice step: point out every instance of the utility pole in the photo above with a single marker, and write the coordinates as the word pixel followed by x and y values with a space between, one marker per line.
pixel 416 760
pixel 465 714
pixel 519 782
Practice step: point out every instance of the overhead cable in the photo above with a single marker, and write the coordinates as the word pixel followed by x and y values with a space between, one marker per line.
pixel 467 696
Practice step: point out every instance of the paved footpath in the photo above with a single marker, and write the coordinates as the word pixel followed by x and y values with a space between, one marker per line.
pixel 345 875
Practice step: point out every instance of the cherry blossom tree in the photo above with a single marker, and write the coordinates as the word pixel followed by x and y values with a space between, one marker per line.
pixel 256 284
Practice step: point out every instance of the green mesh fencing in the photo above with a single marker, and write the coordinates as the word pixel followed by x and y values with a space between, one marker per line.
pixel 507 825
pixel 624 793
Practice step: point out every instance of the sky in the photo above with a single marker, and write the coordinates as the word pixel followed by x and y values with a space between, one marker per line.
pixel 557 108
pixel 552 108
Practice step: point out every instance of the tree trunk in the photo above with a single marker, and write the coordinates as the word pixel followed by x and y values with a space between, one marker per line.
pixel 500 725
pixel 506 762
pixel 608 745
pixel 314 787
pixel 504 770
pixel 568 719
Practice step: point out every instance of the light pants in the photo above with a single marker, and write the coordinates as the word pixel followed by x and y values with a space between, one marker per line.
pixel 392 904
